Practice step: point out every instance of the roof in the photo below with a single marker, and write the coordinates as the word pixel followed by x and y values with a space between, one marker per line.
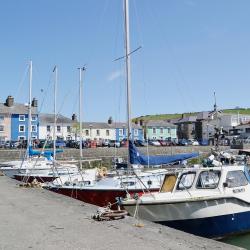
pixel 49 118
pixel 16 108
pixel 159 123
pixel 106 125
pixel 188 119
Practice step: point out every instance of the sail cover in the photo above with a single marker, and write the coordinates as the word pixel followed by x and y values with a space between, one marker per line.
pixel 48 153
pixel 138 158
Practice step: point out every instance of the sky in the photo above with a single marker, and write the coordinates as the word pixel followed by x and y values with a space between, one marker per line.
pixel 189 49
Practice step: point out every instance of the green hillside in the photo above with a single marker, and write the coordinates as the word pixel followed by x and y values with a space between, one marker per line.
pixel 176 115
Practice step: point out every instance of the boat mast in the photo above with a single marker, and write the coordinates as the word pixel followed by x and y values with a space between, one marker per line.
pixel 80 112
pixel 29 106
pixel 54 130
pixel 128 71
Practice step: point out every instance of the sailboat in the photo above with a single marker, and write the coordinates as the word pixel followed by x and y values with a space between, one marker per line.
pixel 37 165
pixel 105 190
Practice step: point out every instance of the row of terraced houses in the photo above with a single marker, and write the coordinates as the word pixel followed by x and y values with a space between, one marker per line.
pixel 14 125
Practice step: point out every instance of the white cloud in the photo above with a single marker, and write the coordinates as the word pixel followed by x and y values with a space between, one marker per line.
pixel 114 75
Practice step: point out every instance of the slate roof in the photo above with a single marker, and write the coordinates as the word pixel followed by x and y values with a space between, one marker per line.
pixel 49 118
pixel 159 123
pixel 187 119
pixel 16 108
pixel 104 125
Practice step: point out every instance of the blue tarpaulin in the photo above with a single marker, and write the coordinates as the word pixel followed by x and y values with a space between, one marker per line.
pixel 138 158
pixel 48 153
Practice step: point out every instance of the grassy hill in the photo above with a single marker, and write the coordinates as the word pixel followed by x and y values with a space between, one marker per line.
pixel 176 115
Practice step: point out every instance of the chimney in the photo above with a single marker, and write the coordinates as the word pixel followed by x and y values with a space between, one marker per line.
pixel 110 120
pixel 9 101
pixel 74 117
pixel 183 115
pixel 141 122
pixel 34 103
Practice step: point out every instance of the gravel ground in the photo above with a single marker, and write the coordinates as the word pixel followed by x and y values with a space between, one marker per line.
pixel 39 219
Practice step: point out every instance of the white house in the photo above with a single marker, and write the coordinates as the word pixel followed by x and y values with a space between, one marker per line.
pixel 64 127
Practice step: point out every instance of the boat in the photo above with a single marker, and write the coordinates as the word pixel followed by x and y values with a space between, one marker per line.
pixel 39 165
pixel 212 202
pixel 133 181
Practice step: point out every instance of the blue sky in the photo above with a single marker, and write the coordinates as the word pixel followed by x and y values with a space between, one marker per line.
pixel 190 48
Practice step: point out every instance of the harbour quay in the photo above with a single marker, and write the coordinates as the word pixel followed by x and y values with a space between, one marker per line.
pixel 108 153
pixel 34 218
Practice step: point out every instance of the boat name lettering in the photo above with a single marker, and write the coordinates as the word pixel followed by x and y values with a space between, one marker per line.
pixel 239 190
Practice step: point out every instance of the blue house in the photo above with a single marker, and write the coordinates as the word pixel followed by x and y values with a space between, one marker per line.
pixel 121 132
pixel 19 119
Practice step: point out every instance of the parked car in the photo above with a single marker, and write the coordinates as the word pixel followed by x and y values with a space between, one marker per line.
pixel 114 143
pixel 139 143
pixel 154 143
pixel 105 143
pixel 2 144
pixel 193 142
pixel 183 142
pixel 49 144
pixel 124 143
pixel 163 142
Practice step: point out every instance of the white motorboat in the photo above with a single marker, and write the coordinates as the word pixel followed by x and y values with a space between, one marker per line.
pixel 210 202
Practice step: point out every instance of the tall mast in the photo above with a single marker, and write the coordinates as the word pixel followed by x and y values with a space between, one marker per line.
pixel 80 111
pixel 128 71
pixel 54 130
pixel 29 105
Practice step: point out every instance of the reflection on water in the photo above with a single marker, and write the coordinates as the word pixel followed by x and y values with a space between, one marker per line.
pixel 239 240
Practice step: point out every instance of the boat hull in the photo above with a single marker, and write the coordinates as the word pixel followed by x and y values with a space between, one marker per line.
pixel 29 179
pixel 213 227
pixel 211 218
pixel 98 197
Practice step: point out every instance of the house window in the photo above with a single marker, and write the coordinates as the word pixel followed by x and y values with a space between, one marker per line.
pixel 1 118
pixel 33 118
pixel 87 132
pixel 1 128
pixel 161 130
pixel 169 130
pixel 34 128
pixel 135 132
pixel 48 128
pixel 121 132
pixel 21 138
pixel 68 129
pixel 154 130
pixel 58 128
pixel 247 130
pixel 107 132
pixel 98 132
pixel 21 128
pixel 21 118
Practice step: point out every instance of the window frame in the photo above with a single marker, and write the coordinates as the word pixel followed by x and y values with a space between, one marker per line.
pixel 33 126
pixel 211 170
pixel 21 125
pixel 48 128
pixel 22 120
pixel 107 132
pixel 247 182
pixel 178 182
pixel 33 118
pixel 121 132
pixel 58 128
pixel 2 126
pixel 2 118
pixel 98 132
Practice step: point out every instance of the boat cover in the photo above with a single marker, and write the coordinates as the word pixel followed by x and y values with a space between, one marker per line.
pixel 138 158
pixel 48 153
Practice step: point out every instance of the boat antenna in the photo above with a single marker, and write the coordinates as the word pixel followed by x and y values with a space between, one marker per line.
pixel 128 72
pixel 215 105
